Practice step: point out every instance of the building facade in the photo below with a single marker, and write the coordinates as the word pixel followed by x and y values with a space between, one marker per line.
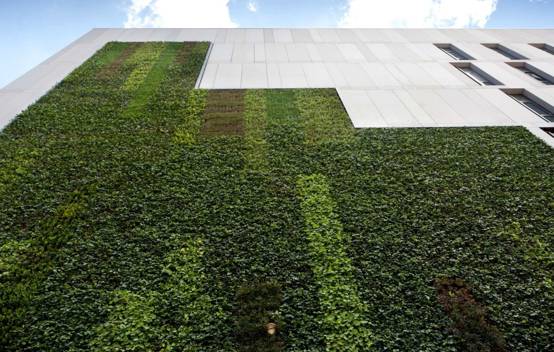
pixel 385 77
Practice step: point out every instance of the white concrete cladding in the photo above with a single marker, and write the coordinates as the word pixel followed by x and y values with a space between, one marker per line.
pixel 385 77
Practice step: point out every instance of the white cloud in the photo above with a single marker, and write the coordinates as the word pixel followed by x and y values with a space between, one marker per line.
pixel 252 6
pixel 179 14
pixel 418 13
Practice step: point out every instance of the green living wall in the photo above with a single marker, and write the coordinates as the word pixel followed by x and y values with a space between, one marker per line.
pixel 139 214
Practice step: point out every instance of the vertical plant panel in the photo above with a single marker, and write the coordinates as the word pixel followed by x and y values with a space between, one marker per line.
pixel 345 323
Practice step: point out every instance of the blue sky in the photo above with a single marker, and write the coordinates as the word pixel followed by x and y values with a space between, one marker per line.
pixel 33 30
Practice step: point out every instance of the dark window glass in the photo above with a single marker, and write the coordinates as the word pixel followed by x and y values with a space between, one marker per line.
pixel 534 107
pixel 536 75
pixel 477 76
pixel 510 54
pixel 454 52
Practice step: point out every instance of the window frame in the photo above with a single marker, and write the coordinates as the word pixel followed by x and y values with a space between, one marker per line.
pixel 505 51
pixel 544 47
pixel 532 103
pixel 476 74
pixel 462 55
pixel 533 72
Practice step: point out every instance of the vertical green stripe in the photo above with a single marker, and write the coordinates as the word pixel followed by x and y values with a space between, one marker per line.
pixel 194 311
pixel 323 116
pixel 344 314
pixel 255 120
pixel 144 59
pixel 128 327
pixel 151 82
pixel 187 132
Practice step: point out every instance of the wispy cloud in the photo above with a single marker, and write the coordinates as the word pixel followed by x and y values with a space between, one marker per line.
pixel 252 6
pixel 179 13
pixel 418 13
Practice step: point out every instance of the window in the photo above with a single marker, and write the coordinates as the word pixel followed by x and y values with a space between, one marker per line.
pixel 549 130
pixel 532 72
pixel 453 52
pixel 502 50
pixel 531 103
pixel 477 75
pixel 545 47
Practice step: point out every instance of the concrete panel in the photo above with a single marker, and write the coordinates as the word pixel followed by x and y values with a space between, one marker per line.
pixel 243 53
pixel 317 75
pixel 510 107
pixel 361 109
pixel 472 114
pixel 282 35
pixel 436 107
pixel 336 74
pixel 254 35
pixel 221 53
pixel 417 111
pixel 297 52
pixel 237 35
pixel 329 35
pixel 292 75
pixel 254 76
pixel 491 114
pixel 428 52
pixel 208 78
pixel 347 35
pixel 315 35
pixel 416 75
pixel 315 56
pixel 441 73
pixel 330 53
pixel 275 52
pixel 228 76
pixel 351 53
pixel 382 52
pixel 221 36
pixel 504 73
pixel 380 75
pixel 301 35
pixel 273 76
pixel 259 53
pixel 355 75
pixel 269 37
pixel 392 109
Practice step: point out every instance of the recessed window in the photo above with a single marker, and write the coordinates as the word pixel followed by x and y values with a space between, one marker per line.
pixel 545 47
pixel 533 104
pixel 453 52
pixel 533 72
pixel 549 130
pixel 502 50
pixel 476 74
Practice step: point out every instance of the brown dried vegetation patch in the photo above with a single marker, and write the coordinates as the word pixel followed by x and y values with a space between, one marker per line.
pixel 224 114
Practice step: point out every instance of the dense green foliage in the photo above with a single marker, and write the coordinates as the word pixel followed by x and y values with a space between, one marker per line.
pixel 140 214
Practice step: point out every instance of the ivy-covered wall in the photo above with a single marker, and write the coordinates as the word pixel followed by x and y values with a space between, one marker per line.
pixel 139 214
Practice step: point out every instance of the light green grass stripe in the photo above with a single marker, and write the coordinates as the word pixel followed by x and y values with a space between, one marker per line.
pixel 255 120
pixel 152 81
pixel 128 327
pixel 344 313
pixel 323 116
pixel 188 130
pixel 186 284
pixel 144 59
